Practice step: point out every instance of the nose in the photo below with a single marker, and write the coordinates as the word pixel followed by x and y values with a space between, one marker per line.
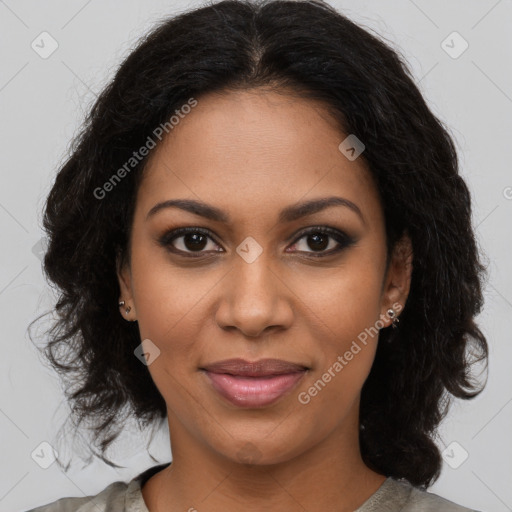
pixel 255 300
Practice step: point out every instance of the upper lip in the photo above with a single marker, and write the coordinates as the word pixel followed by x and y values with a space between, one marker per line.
pixel 260 368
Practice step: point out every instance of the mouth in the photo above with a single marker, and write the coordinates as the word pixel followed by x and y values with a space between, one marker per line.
pixel 254 384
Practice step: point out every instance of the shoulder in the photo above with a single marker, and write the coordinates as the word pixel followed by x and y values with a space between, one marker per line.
pixel 399 495
pixel 117 497
pixel 419 500
pixel 111 499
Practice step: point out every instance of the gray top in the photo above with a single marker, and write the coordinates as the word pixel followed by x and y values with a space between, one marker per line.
pixel 392 496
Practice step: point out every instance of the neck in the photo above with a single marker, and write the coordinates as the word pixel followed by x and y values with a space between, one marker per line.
pixel 329 475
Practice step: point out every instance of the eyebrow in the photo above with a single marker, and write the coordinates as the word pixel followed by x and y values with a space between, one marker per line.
pixel 288 214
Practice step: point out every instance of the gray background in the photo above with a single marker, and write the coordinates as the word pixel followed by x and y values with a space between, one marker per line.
pixel 42 104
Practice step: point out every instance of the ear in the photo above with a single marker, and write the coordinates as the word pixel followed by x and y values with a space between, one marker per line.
pixel 397 281
pixel 125 285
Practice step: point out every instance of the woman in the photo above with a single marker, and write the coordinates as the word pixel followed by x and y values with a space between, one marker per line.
pixel 262 236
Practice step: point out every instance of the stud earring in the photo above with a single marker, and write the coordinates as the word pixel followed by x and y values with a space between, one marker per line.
pixel 394 319
pixel 121 303
pixel 127 309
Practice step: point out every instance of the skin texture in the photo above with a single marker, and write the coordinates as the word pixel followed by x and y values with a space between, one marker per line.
pixel 251 154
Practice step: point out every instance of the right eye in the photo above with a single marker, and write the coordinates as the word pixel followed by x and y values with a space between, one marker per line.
pixel 188 241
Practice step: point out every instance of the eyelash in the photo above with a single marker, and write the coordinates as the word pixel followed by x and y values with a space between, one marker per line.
pixel 341 238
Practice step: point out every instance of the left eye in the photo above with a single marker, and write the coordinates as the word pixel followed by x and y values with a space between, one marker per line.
pixel 321 239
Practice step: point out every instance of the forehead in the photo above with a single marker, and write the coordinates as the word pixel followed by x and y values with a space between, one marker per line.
pixel 254 150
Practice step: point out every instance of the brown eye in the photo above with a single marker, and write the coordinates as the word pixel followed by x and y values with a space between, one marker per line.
pixel 324 241
pixel 194 241
pixel 189 240
pixel 318 241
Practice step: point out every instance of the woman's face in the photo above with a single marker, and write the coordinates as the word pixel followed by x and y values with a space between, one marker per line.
pixel 266 277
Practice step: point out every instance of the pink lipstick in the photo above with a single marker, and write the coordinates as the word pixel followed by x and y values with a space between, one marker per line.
pixel 254 384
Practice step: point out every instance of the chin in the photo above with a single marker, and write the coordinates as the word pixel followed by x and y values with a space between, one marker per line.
pixel 260 452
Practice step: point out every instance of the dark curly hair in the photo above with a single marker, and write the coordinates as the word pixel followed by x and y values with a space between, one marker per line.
pixel 309 49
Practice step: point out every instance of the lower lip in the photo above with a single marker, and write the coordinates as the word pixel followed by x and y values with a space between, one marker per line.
pixel 253 391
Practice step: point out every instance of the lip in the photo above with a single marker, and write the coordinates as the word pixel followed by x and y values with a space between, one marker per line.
pixel 254 384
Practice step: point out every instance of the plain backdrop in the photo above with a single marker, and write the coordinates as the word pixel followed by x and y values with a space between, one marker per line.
pixel 43 101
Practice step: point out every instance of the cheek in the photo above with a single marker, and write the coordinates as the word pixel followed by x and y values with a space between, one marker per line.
pixel 168 300
pixel 346 300
pixel 347 306
pixel 171 312
pixel 344 355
